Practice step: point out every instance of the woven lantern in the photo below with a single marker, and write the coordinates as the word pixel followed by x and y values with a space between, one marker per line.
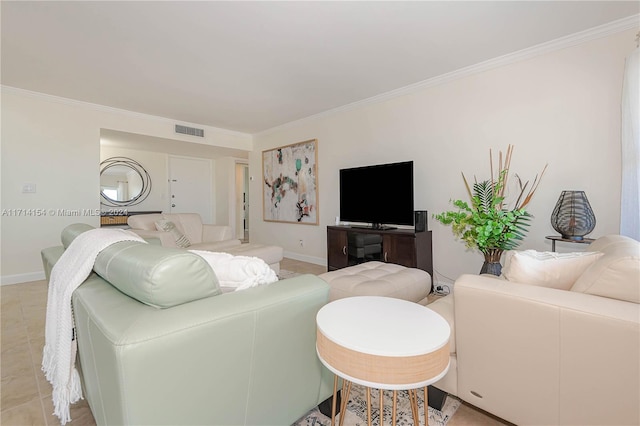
pixel 573 217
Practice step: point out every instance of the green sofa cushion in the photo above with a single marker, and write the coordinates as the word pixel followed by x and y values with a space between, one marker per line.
pixel 157 276
pixel 70 232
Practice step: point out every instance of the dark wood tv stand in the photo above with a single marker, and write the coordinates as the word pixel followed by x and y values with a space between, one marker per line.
pixel 404 247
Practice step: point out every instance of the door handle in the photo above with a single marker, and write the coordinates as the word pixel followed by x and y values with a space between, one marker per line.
pixel 385 256
pixel 344 250
pixel 173 205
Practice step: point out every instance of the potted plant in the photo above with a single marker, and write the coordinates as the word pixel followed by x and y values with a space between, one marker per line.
pixel 489 223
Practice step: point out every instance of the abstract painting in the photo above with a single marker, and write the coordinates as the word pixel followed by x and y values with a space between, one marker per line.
pixel 290 183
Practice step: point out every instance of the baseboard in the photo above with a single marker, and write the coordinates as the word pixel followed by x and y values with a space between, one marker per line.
pixel 304 258
pixel 22 278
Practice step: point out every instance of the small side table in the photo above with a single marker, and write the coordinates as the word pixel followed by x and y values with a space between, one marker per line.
pixel 555 238
pixel 382 343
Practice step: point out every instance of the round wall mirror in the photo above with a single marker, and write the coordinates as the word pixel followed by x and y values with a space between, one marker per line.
pixel 123 182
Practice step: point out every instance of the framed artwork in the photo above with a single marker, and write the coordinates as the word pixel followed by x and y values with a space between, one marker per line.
pixel 290 183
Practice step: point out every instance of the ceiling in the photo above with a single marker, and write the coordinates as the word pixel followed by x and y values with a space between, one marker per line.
pixel 250 66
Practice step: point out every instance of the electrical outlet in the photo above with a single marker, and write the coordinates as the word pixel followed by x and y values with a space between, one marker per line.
pixel 301 242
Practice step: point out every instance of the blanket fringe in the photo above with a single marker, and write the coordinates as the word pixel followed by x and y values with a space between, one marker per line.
pixel 61 404
pixel 63 396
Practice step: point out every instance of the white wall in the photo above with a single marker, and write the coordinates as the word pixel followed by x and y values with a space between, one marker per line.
pixel 560 108
pixel 54 143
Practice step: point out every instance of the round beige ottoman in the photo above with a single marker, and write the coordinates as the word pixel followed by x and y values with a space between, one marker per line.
pixel 379 279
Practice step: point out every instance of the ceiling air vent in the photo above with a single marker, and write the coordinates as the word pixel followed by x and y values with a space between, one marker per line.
pixel 189 131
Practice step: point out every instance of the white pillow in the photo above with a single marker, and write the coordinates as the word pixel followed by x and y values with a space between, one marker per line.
pixel 547 269
pixel 616 275
pixel 168 226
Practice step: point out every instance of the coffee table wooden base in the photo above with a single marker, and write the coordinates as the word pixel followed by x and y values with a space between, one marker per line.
pixel 393 345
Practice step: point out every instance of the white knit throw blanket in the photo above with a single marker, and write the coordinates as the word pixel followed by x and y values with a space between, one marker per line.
pixel 239 272
pixel 73 267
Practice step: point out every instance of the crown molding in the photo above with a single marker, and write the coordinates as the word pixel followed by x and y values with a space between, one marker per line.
pixel 112 110
pixel 614 27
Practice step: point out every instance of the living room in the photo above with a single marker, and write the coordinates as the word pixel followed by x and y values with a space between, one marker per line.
pixel 557 101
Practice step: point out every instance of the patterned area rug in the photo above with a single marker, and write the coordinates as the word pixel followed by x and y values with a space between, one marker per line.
pixel 357 410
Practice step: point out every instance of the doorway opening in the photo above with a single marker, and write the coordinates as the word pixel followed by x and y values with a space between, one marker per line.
pixel 242 202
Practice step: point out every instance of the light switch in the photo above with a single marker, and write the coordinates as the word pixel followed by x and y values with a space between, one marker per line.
pixel 29 188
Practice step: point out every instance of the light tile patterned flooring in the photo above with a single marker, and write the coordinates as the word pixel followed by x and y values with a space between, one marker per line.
pixel 25 393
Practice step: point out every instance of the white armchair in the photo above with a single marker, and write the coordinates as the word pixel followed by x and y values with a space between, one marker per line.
pixel 536 355
pixel 199 236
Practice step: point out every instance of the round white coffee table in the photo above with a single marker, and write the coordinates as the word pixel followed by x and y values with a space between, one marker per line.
pixel 382 343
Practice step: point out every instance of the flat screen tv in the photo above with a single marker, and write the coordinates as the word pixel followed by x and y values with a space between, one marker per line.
pixel 378 195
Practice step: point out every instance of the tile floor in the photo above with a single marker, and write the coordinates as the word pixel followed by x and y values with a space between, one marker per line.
pixel 25 393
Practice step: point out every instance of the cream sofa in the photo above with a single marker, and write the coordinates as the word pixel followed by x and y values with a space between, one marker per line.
pixel 201 236
pixel 159 344
pixel 536 355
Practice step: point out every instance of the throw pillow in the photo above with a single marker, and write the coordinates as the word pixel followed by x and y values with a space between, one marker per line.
pixel 616 275
pixel 168 226
pixel 547 269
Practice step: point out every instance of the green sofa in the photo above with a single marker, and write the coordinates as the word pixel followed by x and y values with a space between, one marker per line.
pixel 166 347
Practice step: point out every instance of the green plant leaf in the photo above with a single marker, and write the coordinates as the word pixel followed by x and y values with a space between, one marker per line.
pixel 483 193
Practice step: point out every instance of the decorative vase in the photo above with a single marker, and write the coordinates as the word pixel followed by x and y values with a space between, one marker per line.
pixel 491 263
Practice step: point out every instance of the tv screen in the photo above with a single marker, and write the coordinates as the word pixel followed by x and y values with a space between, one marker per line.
pixel 380 194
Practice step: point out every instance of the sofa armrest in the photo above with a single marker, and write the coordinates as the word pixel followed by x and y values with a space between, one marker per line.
pixel 212 233
pixel 571 353
pixel 166 238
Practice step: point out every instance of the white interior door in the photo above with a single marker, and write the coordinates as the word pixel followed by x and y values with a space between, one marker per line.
pixel 190 187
